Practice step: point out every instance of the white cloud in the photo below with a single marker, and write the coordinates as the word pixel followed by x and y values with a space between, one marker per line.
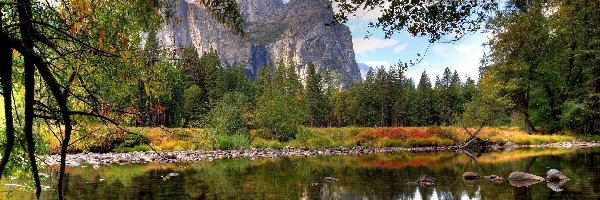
pixel 362 14
pixel 362 46
pixel 438 48
pixel 377 63
pixel 400 48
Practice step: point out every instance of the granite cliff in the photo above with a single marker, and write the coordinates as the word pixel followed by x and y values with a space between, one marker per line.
pixel 275 30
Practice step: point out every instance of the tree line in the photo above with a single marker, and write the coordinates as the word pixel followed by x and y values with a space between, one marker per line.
pixel 204 93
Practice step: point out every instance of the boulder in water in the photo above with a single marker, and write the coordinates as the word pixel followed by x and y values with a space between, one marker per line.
pixel 553 175
pixel 470 176
pixel 522 179
pixel 522 176
pixel 495 178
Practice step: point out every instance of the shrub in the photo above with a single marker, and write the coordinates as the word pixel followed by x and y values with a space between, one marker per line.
pixel 391 133
pixel 226 117
pixel 266 144
pixel 234 141
pixel 280 117
pixel 137 148
pixel 193 105
pixel 443 133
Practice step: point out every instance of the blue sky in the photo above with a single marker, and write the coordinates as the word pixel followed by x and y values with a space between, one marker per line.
pixel 463 56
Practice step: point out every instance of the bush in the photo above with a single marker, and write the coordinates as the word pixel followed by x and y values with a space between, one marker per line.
pixel 226 117
pixel 390 133
pixel 280 117
pixel 138 148
pixel 193 106
pixel 443 133
pixel 266 144
pixel 234 141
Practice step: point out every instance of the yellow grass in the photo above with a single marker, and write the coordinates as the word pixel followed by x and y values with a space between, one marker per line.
pixel 200 139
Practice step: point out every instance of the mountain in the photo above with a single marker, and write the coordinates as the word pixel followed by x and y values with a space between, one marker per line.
pixel 363 68
pixel 296 30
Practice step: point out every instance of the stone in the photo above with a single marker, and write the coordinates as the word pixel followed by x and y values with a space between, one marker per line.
pixel 10 185
pixel 495 178
pixel 522 179
pixel 173 174
pixel 510 144
pixel 522 176
pixel 553 175
pixel 330 179
pixel 171 156
pixel 470 176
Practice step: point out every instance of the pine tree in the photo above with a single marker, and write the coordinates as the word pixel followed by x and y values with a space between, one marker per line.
pixel 315 98
pixel 424 102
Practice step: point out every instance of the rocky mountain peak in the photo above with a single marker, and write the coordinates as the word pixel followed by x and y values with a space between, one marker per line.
pixel 275 31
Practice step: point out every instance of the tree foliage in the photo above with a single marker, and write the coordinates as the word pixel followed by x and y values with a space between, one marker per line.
pixel 544 58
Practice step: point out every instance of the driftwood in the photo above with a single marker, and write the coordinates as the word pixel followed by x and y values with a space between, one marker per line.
pixel 469 141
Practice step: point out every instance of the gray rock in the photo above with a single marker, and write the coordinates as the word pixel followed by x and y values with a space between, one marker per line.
pixel 522 176
pixel 173 174
pixel 509 144
pixel 10 185
pixel 171 156
pixel 470 176
pixel 522 179
pixel 553 175
pixel 330 179
pixel 495 178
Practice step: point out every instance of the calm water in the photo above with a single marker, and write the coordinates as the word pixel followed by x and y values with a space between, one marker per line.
pixel 358 177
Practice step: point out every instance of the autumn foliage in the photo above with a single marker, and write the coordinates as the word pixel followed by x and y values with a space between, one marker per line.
pixel 391 133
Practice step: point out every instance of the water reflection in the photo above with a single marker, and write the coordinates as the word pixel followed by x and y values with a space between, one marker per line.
pixel 356 177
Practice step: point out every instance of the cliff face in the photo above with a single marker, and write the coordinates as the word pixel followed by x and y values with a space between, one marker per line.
pixel 274 30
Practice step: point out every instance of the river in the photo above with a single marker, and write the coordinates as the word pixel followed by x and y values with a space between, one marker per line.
pixel 377 176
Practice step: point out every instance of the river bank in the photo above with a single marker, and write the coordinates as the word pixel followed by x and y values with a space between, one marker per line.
pixel 96 160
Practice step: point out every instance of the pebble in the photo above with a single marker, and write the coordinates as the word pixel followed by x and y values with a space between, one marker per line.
pixel 252 153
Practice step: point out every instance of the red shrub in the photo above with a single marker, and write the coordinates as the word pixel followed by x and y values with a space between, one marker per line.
pixel 414 133
pixel 391 133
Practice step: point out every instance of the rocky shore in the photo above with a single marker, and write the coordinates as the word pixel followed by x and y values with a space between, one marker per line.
pixel 96 160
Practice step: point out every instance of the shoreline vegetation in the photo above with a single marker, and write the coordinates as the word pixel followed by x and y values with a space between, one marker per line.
pixel 112 140
pixel 95 160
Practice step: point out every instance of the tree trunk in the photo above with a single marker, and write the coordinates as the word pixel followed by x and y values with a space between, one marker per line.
pixel 472 138
pixel 26 29
pixel 528 125
pixel 6 81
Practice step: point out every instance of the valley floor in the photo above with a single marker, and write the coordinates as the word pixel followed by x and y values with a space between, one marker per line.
pixel 107 139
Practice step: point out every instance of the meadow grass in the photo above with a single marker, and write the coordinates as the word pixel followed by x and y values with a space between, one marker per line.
pixel 173 139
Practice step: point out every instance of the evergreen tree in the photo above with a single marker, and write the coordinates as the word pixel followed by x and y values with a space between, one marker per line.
pixel 424 102
pixel 317 103
pixel 280 109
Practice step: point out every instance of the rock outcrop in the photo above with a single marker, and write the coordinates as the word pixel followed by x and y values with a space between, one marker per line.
pixel 298 30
